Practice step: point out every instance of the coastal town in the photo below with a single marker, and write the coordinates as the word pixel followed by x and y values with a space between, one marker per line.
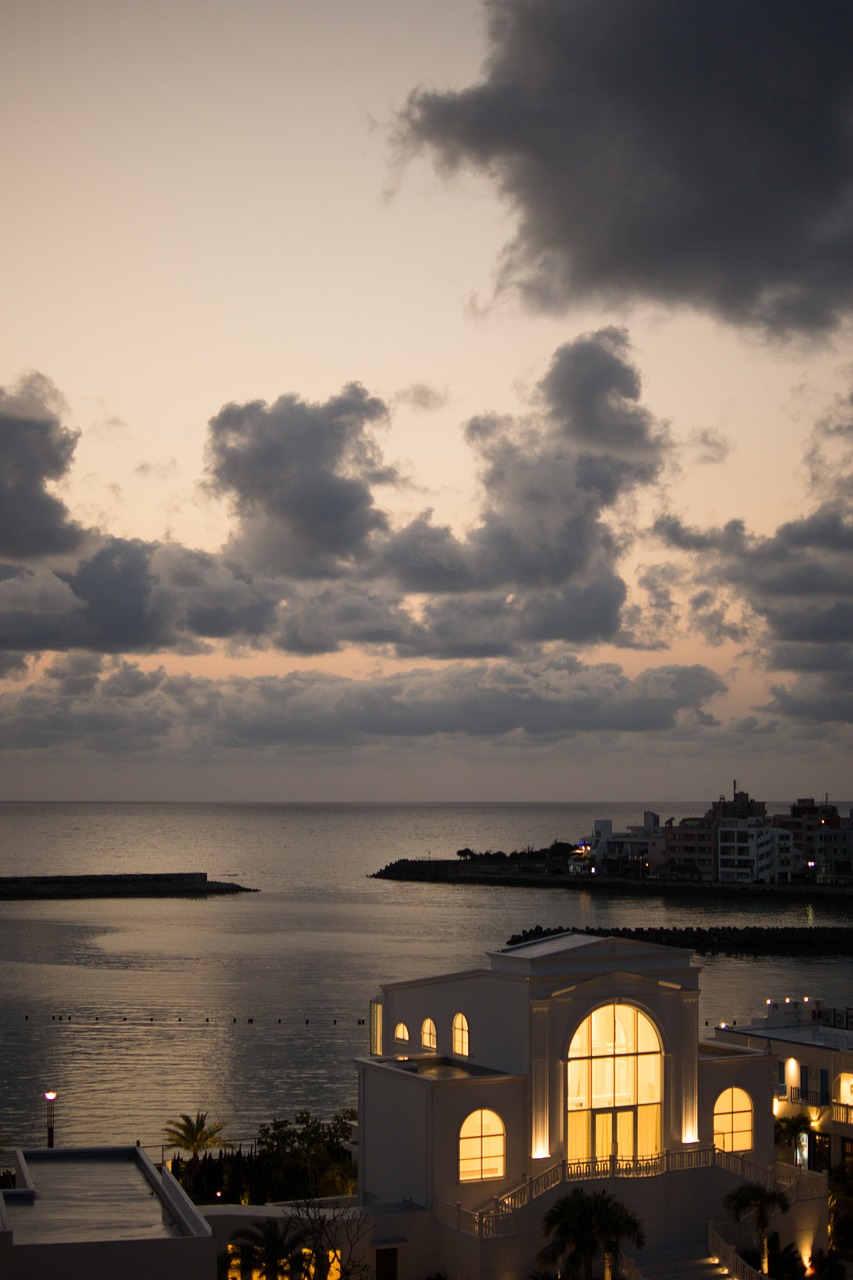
pixel 735 843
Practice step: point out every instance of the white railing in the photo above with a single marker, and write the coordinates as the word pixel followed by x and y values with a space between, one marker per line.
pixel 841 1113
pixel 720 1247
pixel 500 1219
pixel 643 1167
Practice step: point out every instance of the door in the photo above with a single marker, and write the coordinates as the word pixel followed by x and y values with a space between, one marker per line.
pixel 615 1124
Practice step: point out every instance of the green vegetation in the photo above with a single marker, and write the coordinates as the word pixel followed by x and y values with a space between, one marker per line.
pixel 296 1159
pixel 193 1134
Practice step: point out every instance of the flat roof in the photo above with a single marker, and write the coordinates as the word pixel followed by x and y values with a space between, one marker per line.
pixel 99 1195
pixel 816 1033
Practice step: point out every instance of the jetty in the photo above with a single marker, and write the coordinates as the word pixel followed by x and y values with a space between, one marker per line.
pixel 172 884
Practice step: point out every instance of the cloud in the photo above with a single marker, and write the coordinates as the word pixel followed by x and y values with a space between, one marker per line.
pixel 314 564
pixel 122 709
pixel 34 450
pixel 688 154
pixel 709 447
pixel 794 590
pixel 299 477
pixel 130 596
pixel 546 482
pixel 420 395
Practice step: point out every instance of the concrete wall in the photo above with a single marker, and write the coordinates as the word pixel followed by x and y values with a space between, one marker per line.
pixel 131 1260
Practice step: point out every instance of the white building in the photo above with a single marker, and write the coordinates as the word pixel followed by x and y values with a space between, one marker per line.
pixel 812 1051
pixel 749 850
pixel 641 845
pixel 569 1060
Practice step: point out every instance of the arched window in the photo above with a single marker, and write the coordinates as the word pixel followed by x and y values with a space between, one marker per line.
pixel 428 1036
pixel 401 1033
pixel 482 1147
pixel 614 1086
pixel 460 1034
pixel 733 1121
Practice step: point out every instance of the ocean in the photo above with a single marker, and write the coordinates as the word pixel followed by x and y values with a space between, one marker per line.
pixel 254 1006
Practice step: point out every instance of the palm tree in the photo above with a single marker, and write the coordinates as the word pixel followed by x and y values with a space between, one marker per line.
pixel 583 1226
pixel 275 1247
pixel 193 1134
pixel 753 1197
pixel 615 1222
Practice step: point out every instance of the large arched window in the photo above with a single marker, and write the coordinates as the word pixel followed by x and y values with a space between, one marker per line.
pixel 429 1039
pixel 401 1033
pixel 733 1121
pixel 614 1087
pixel 482 1147
pixel 460 1035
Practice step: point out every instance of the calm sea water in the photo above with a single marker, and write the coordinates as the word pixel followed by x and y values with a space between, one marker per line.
pixel 251 1007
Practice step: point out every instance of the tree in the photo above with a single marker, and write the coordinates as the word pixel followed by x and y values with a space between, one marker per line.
pixel 615 1222
pixel 194 1135
pixel 753 1197
pixel 583 1226
pixel 274 1247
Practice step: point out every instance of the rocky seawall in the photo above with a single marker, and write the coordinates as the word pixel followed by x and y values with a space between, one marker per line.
pixel 177 884
pixel 821 940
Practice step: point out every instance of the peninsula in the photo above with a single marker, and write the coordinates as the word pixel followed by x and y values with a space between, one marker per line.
pixel 177 884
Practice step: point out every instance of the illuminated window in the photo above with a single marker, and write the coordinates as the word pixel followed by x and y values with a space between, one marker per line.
pixel 733 1121
pixel 482 1147
pixel 401 1032
pixel 614 1086
pixel 460 1035
pixel 428 1036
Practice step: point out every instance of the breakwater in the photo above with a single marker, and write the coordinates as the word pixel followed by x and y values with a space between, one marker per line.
pixel 825 940
pixel 177 884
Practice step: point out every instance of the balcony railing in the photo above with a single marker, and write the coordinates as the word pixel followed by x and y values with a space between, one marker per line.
pixel 500 1219
pixel 809 1097
pixel 842 1113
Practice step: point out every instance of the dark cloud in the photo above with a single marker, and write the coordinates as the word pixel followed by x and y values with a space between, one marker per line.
pixel 127 710
pixel 34 450
pixel 688 153
pixel 300 478
pixel 133 596
pixel 540 536
pixel 796 585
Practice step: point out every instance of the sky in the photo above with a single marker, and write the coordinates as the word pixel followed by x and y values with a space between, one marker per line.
pixel 411 401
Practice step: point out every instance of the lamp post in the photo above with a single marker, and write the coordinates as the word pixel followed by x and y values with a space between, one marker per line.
pixel 50 1115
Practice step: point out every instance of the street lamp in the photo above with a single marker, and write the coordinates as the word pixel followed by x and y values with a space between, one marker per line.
pixel 50 1114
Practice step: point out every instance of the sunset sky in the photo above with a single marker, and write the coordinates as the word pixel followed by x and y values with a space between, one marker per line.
pixel 409 400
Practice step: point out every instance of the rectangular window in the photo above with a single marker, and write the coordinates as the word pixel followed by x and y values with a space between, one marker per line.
pixel 602 1082
pixel 578 1086
pixel 648 1131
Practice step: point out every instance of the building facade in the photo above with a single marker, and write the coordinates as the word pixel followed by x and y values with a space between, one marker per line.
pixel 569 1061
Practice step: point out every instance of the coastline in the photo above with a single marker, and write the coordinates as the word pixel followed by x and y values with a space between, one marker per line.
pixel 507 875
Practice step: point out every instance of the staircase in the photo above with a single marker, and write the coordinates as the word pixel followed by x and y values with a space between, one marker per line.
pixel 679 1265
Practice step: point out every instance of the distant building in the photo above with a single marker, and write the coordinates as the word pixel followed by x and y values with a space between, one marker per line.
pixel 833 852
pixel 733 842
pixel 805 821
pixel 750 851
pixel 634 852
